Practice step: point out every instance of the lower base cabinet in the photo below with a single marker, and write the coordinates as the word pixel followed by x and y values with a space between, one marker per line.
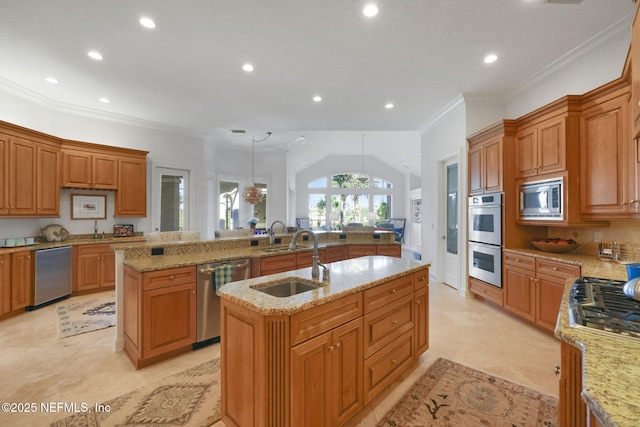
pixel 572 411
pixel 159 313
pixel 319 367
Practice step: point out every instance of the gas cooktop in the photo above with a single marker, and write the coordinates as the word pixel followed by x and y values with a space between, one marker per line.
pixel 600 306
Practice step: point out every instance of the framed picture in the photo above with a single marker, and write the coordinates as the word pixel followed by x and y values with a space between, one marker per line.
pixel 84 206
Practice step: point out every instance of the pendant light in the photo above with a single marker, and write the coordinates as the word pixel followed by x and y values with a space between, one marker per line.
pixel 363 178
pixel 252 194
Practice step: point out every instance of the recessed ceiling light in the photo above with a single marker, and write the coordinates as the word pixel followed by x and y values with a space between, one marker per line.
pixel 370 10
pixel 490 58
pixel 317 98
pixel 52 80
pixel 247 67
pixel 95 55
pixel 147 22
pixel 388 106
pixel 105 100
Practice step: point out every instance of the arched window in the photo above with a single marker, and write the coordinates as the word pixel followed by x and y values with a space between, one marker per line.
pixel 348 198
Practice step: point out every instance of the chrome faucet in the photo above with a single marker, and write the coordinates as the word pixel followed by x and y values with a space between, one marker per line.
pixel 272 236
pixel 315 268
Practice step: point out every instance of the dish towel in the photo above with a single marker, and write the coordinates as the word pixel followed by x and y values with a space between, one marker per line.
pixel 222 275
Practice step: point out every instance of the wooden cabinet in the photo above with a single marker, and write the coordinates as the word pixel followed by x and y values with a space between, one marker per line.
pixel 336 253
pixel 89 169
pixel 608 158
pixel 5 284
pixel 486 291
pixel 389 250
pixel 541 149
pixel 572 411
pixel 47 180
pixel 305 259
pixel 94 267
pixel 635 77
pixel 533 287
pixel 159 313
pixel 277 264
pixel 356 251
pixel 21 275
pixel 485 162
pixel 131 196
pixel 22 176
pixel 318 367
pixel 332 362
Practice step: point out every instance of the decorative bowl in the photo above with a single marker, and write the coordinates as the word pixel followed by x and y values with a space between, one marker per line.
pixel 555 247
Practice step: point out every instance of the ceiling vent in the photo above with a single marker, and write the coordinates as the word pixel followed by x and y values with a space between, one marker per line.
pixel 238 131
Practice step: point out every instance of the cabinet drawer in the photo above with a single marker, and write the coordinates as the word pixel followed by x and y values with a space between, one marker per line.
pixel 557 269
pixel 361 250
pixel 335 254
pixel 93 249
pixel 384 366
pixel 305 259
pixel 382 295
pixel 277 264
pixel 389 250
pixel 486 291
pixel 310 323
pixel 421 279
pixel 522 261
pixel 386 324
pixel 169 277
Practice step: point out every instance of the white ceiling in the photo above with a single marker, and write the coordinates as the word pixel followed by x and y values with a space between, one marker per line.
pixel 418 54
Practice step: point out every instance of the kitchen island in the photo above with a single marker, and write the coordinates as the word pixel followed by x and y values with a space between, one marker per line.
pixel 316 358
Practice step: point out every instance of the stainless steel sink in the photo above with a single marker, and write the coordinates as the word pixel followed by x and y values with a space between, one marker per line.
pixel 287 288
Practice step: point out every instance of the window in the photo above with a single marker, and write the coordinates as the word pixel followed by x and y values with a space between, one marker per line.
pixel 355 198
pixel 229 205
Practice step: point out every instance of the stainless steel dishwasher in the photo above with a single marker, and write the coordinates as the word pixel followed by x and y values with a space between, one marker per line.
pixel 208 302
pixel 53 276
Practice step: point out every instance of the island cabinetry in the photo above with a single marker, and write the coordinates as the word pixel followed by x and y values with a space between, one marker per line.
pixel 533 287
pixel 89 169
pixel 94 267
pixel 159 313
pixel 572 411
pixel 356 251
pixel 608 157
pixel 389 250
pixel 336 253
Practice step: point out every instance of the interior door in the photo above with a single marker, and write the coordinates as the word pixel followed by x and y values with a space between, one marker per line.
pixel 172 190
pixel 451 205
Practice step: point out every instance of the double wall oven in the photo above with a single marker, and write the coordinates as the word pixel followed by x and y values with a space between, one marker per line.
pixel 485 238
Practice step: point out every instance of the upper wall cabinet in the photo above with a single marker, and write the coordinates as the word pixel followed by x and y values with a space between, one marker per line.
pixel 89 169
pixel 131 197
pixel 635 77
pixel 542 148
pixel 608 156
pixel 29 178
pixel 485 156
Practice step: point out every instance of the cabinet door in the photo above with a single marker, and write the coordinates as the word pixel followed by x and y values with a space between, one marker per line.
pixel 347 371
pixel 48 180
pixel 20 280
pixel 76 169
pixel 5 284
pixel 131 196
pixel 421 323
pixel 526 147
pixel 22 177
pixel 572 410
pixel 169 319
pixel 310 382
pixel 635 77
pixel 88 270
pixel 4 174
pixel 519 292
pixel 493 165
pixel 104 172
pixel 552 147
pixel 549 292
pixel 603 188
pixel 476 182
pixel 108 268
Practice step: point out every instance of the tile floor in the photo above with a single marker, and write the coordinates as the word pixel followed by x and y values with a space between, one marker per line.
pixel 38 367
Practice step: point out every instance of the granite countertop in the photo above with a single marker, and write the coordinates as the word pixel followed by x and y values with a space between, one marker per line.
pixel 72 241
pixel 610 371
pixel 347 277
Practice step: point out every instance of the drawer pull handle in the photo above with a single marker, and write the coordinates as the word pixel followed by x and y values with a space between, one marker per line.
pixel 517 259
pixel 555 268
pixel 393 291
pixel 394 322
pixel 394 361
pixel 171 277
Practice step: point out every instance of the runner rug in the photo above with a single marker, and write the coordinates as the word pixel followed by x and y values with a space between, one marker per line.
pixel 190 398
pixel 89 315
pixel 454 395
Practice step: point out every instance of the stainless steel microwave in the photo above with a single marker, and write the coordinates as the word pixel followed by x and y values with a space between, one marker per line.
pixel 542 200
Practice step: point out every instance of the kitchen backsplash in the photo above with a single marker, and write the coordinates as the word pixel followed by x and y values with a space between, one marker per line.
pixel 620 231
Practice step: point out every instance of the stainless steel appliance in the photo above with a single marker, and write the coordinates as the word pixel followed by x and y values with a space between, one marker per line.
pixel 541 200
pixel 208 302
pixel 485 238
pixel 600 306
pixel 53 278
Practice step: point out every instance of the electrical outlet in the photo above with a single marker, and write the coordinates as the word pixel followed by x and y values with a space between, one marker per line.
pixel 597 236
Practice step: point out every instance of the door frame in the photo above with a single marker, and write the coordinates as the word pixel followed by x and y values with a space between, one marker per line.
pixel 158 170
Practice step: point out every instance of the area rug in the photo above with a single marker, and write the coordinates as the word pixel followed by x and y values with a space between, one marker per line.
pixel 454 395
pixel 190 398
pixel 90 315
